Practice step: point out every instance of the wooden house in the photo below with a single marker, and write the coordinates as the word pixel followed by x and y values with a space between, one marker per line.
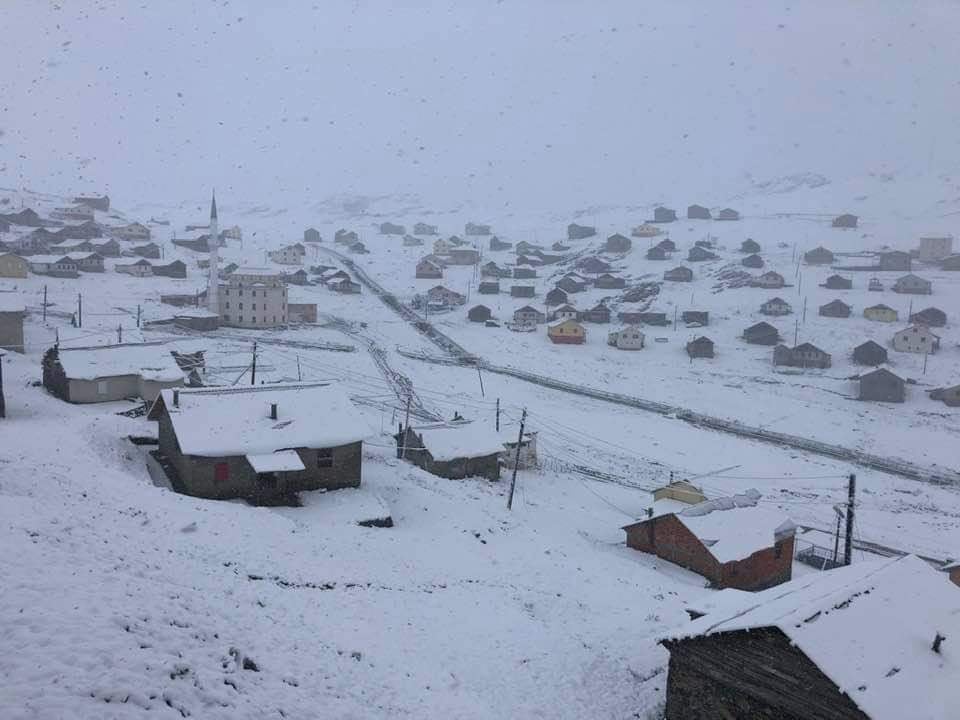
pixel 345 285
pixel 679 274
pixel 609 282
pixel 464 256
pixel 107 373
pixel 880 313
pixel 198 244
pixel 951 263
pixel 292 254
pixel 522 291
pixel 151 251
pixel 84 231
pixel 140 268
pixel 664 215
pixel 389 228
pixel 931 317
pixel 61 266
pixel 656 253
pixel 421 228
pixel 698 212
pixel 428 269
pixel 497 245
pixel 667 245
pixel 593 265
pixel 132 232
pixel 27 217
pixel 524 273
pixel 580 232
pixel 699 318
pixel 627 338
pixel 836 309
pixel 913 285
pixel 752 261
pixel 699 253
pixel 13 266
pixel 750 246
pixel 564 312
pixel 680 491
pixel 805 355
pixel 895 260
pixel 949 396
pixel 489 287
pixel 881 385
pixel 763 333
pixel 12 313
pixel 346 237
pixel 174 269
pixel 94 203
pixel 570 285
pixel 559 247
pixel 479 313
pixel 311 235
pixel 845 221
pixel 412 241
pixel 455 452
pixel 526 248
pixel 567 332
pixel 599 313
pixel 656 319
pixel 444 296
pixel 769 280
pixel 728 215
pixel 838 282
pixel 491 269
pixel 528 315
pixel 733 542
pixel 259 443
pixel 300 277
pixel 870 353
pixel 875 285
pixel 646 230
pixel 618 244
pixel 862 642
pixel 700 347
pixel 818 256
pixel 916 339
pixel 105 248
pixel 776 306
pixel 476 229
pixel 555 297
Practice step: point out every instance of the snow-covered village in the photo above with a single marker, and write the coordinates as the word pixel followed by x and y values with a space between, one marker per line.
pixel 479 361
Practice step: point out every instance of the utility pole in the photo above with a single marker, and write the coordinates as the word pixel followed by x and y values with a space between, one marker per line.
pixel 925 356
pixel 406 433
pixel 516 461
pixel 119 334
pixel 79 310
pixel 836 538
pixel 44 303
pixel 498 414
pixel 253 371
pixel 675 310
pixel 804 309
pixel 138 316
pixel 796 331
pixel 480 375
pixel 299 375
pixel 848 540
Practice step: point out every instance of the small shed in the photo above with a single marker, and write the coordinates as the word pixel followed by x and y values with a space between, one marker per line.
pixel 618 243
pixel 881 385
pixel 472 228
pixel 453 451
pixel 870 353
pixel 836 309
pixel 497 245
pixel 571 285
pixel 479 313
pixel 949 396
pixel 698 212
pixel 700 347
pixel 845 221
pixel 429 269
pixel 679 274
pixel 750 246
pixel 524 272
pixel 630 337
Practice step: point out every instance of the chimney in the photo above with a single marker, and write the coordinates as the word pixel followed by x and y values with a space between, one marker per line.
pixel 273 411
pixel 176 398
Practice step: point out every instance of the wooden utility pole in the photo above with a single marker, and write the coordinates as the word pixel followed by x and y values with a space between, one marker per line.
pixel 138 316
pixel 516 461
pixel 253 366
pixel 299 375
pixel 79 310
pixel 480 375
pixel 848 540
pixel 498 414
pixel 44 303
pixel 804 309
pixel 796 330
pixel 119 334
pixel 675 311
pixel 406 433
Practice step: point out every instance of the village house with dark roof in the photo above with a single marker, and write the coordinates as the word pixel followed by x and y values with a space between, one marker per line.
pixel 700 254
pixel 881 385
pixel 838 282
pixel 845 221
pixel 763 333
pixel 776 306
pixel 679 274
pixel 752 261
pixel 698 212
pixel 700 347
pixel 664 215
pixel 805 355
pixel 750 246
pixel 836 309
pixel 818 256
pixel 931 317
pixel 870 353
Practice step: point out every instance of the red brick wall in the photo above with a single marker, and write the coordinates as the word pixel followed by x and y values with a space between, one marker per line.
pixel 668 538
pixel 765 568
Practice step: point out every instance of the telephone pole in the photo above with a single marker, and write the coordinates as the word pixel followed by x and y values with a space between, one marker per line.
pixel 405 434
pixel 44 303
pixel 848 540
pixel 79 310
pixel 138 316
pixel 498 414
pixel 516 461
pixel 253 367
pixel 299 375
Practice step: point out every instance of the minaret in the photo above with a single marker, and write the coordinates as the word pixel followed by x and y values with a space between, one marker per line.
pixel 213 278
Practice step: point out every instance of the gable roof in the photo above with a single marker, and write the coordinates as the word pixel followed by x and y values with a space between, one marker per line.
pixel 880 306
pixel 150 361
pixel 222 422
pixel 881 372
pixel 466 440
pixel 869 627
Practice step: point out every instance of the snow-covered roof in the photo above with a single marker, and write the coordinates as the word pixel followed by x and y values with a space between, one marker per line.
pixel 74 337
pixel 221 422
pixel 47 259
pixel 11 302
pixel 195 313
pixel 466 440
pixel 278 461
pixel 733 528
pixel 869 627
pixel 151 362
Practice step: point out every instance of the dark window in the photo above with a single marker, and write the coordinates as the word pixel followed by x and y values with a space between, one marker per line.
pixel 221 472
pixel 325 458
pixel 778 550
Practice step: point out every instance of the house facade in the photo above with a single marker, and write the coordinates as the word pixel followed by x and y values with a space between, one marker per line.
pixel 916 339
pixel 288 255
pixel 628 338
pixel 427 269
pixel 599 313
pixel 805 355
pixel 776 306
pixel 913 285
pixel 701 347
pixel 567 332
pixel 12 313
pixel 880 313
pixel 253 298
pixel 555 297
pixel 452 452
pixel 13 266
pixel 881 385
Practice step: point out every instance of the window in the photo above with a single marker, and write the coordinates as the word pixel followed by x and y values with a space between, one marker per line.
pixel 228 304
pixel 325 458
pixel 254 306
pixel 240 319
pixel 240 292
pixel 102 387
pixel 778 550
pixel 226 318
pixel 241 306
pixel 221 472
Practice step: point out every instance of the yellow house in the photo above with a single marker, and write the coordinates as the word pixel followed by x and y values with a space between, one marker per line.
pixel 680 490
pixel 880 313
pixel 567 332
pixel 13 266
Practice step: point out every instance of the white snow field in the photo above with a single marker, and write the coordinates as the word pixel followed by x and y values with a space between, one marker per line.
pixel 122 599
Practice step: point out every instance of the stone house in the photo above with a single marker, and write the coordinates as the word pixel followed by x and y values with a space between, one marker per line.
pixel 259 443
pixel 112 372
pixel 820 647
pixel 479 313
pixel 776 306
pixel 618 244
pixel 870 353
pixel 13 266
pixel 770 280
pixel 489 287
pixel 838 282
pixel 700 318
pixel 934 248
pixel 805 355
pixel 427 269
pixel 580 232
pixel 700 254
pixel 609 282
pixel 311 235
pixel 656 253
pixel 845 221
pixel 818 256
pixel 528 315
pixel 555 297
pixel 701 347
pixel 679 274
pixel 916 339
pixel 388 228
pixel 664 215
pixel 698 212
pixel 836 309
pixel 599 313
pixel 881 385
pixel 628 338
pixel 750 246
pixel 931 317
pixel 730 541
pixel 762 333
pixel 522 291
pixel 12 313
pixel 895 260
pixel 302 313
pixel 752 261
pixel 880 313
pixel 913 285
pixel 567 332
pixel 455 452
